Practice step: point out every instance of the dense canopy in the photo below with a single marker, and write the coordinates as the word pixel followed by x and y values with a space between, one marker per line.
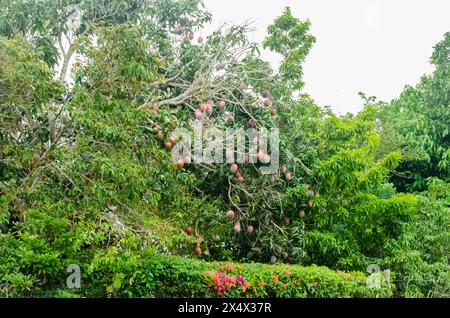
pixel 90 93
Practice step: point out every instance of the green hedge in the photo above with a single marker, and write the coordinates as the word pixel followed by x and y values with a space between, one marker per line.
pixel 154 275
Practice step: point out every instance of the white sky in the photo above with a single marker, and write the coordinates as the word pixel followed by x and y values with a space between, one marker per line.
pixel 373 46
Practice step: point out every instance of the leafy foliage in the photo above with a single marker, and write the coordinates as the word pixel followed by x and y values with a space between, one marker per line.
pixel 418 123
pixel 160 276
pixel 85 177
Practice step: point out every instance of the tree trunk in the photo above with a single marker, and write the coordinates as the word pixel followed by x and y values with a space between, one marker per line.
pixel 65 66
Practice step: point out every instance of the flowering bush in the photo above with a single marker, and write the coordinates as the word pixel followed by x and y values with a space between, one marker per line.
pixel 223 281
pixel 155 275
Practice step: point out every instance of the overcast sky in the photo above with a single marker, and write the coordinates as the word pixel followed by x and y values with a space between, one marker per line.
pixel 373 46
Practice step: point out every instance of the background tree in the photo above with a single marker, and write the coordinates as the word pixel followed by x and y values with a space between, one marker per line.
pixel 290 37
pixel 418 123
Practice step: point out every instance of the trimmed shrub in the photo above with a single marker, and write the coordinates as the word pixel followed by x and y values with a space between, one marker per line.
pixel 156 275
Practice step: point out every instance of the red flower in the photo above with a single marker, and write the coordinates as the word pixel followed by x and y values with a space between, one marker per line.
pixel 275 278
